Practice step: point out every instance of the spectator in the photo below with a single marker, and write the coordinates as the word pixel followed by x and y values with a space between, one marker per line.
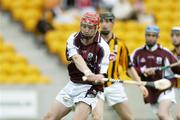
pixel 123 10
pixel 142 15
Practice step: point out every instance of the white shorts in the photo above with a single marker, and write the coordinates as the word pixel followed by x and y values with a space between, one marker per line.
pixel 73 93
pixel 115 94
pixel 167 95
pixel 177 90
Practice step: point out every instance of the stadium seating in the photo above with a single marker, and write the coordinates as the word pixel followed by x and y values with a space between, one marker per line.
pixel 29 13
pixel 15 69
pixel 167 14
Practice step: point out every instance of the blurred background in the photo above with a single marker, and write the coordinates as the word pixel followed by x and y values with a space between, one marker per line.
pixel 33 36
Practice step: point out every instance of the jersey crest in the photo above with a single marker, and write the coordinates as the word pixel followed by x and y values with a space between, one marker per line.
pixel 90 56
pixel 159 60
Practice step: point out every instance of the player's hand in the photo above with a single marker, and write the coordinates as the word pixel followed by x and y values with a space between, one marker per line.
pixel 144 91
pixel 149 71
pixel 96 78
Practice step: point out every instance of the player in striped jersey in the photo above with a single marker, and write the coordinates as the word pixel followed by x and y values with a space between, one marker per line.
pixel 175 37
pixel 120 62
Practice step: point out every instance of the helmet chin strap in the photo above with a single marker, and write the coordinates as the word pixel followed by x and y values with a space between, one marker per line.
pixel 105 32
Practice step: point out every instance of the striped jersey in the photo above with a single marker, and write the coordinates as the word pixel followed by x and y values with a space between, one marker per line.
pixel 119 59
pixel 178 57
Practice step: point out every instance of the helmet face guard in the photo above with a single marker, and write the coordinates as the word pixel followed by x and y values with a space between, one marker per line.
pixel 152 34
pixel 107 16
pixel 175 36
pixel 91 18
pixel 153 29
pixel 175 30
pixel 89 25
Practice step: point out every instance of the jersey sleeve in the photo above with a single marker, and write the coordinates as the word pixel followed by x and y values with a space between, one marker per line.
pixel 124 59
pixel 134 59
pixel 105 60
pixel 71 49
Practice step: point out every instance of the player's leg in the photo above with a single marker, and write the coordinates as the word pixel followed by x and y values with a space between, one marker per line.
pixel 178 103
pixel 178 112
pixel 116 97
pixel 163 112
pixel 165 101
pixel 123 111
pixel 62 104
pixel 57 111
pixel 82 111
pixel 97 112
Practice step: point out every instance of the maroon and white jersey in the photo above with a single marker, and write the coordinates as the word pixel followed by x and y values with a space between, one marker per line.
pixel 96 56
pixel 156 57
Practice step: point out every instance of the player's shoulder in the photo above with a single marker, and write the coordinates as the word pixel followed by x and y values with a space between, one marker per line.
pixel 118 39
pixel 73 35
pixel 138 50
pixel 103 44
pixel 166 50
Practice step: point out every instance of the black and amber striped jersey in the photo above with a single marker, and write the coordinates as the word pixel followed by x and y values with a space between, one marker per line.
pixel 178 57
pixel 119 59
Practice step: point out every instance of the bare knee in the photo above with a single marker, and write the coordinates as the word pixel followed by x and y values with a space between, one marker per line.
pixel 50 116
pixel 127 117
pixel 162 116
pixel 97 117
pixel 178 117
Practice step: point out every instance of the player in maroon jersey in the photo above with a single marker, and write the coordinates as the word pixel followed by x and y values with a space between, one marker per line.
pixel 146 59
pixel 88 54
pixel 175 37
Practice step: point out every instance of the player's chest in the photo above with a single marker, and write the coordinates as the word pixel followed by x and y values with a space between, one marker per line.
pixel 89 53
pixel 151 59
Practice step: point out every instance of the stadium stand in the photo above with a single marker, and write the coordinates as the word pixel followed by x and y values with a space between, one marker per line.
pixel 29 13
pixel 15 69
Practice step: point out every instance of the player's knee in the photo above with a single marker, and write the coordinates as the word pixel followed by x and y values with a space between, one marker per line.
pixel 97 117
pixel 127 117
pixel 162 116
pixel 178 117
pixel 49 116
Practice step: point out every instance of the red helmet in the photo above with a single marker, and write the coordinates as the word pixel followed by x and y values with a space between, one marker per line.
pixel 91 18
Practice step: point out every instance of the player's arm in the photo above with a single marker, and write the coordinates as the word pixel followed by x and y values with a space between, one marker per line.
pixel 129 65
pixel 102 61
pixel 73 55
pixel 133 74
pixel 81 64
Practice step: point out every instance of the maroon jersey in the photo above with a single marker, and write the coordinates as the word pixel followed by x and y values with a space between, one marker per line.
pixel 156 57
pixel 96 56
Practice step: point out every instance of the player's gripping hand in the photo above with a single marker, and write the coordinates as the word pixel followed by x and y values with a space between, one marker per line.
pixel 150 71
pixel 144 91
pixel 95 78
